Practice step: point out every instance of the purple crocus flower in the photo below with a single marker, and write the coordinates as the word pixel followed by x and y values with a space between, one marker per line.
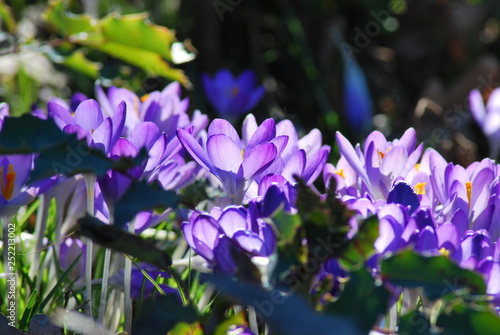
pixel 381 162
pixel 233 161
pixel 14 190
pixel 88 122
pixel 488 117
pixel 214 235
pixel 164 108
pixel 230 96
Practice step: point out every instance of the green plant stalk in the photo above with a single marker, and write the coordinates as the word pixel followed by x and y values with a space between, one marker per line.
pixel 90 180
pixel 105 273
pixel 126 284
pixel 40 228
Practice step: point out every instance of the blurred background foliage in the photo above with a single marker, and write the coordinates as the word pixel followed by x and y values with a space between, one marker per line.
pixel 342 65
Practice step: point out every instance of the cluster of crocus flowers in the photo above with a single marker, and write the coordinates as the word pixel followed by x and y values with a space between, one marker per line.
pixel 422 201
pixel 257 169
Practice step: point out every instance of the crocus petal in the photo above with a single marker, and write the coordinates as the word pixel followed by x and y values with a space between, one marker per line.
pixel 232 220
pixel 221 126
pixel 61 115
pixel 88 115
pixel 403 194
pixel 258 159
pixel 477 107
pixel 102 135
pixel 194 149
pixel 264 133
pixel 351 156
pixel 250 241
pixel 224 153
pixel 206 233
pixel 144 135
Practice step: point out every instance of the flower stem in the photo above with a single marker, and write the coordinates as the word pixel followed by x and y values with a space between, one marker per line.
pixel 127 279
pixel 105 272
pixel 40 227
pixel 90 180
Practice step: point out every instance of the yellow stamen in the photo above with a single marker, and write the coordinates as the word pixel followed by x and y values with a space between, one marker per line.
pixel 242 153
pixel 468 187
pixel 340 172
pixel 144 97
pixel 445 252
pixel 10 178
pixel 420 188
pixel 235 91
pixel 417 167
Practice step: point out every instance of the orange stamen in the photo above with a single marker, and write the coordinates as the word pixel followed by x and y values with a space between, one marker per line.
pixel 144 97
pixel 420 188
pixel 340 172
pixel 468 187
pixel 10 178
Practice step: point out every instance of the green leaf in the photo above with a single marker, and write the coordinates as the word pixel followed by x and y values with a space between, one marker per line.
pixel 224 327
pixel 28 134
pixel 284 313
pixel 438 275
pixel 6 17
pixel 362 301
pixel 68 23
pixel 151 62
pixel 77 61
pixel 29 311
pixel 159 315
pixel 141 196
pixel 414 323
pixel 134 31
pixel 287 225
pixel 76 157
pixel 183 328
pixel 465 319
pixel 117 239
pixel 354 252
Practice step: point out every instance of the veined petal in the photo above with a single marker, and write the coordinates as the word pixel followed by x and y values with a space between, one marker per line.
pixel 144 135
pixel 206 233
pixel 88 115
pixel 232 220
pixel 118 120
pixel 249 127
pixel 351 156
pixel 258 159
pixel 102 135
pixel 264 133
pixel 61 115
pixel 194 149
pixel 221 126
pixel 224 153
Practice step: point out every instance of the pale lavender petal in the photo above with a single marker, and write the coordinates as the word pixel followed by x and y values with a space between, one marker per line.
pixel 88 115
pixel 194 149
pixel 258 159
pixel 249 127
pixel 295 165
pixel 221 126
pixel 61 115
pixel 264 133
pixel 206 233
pixel 101 137
pixel 478 110
pixel 250 241
pixel 232 220
pixel 351 156
pixel 224 153
pixel 311 142
pixel 144 135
